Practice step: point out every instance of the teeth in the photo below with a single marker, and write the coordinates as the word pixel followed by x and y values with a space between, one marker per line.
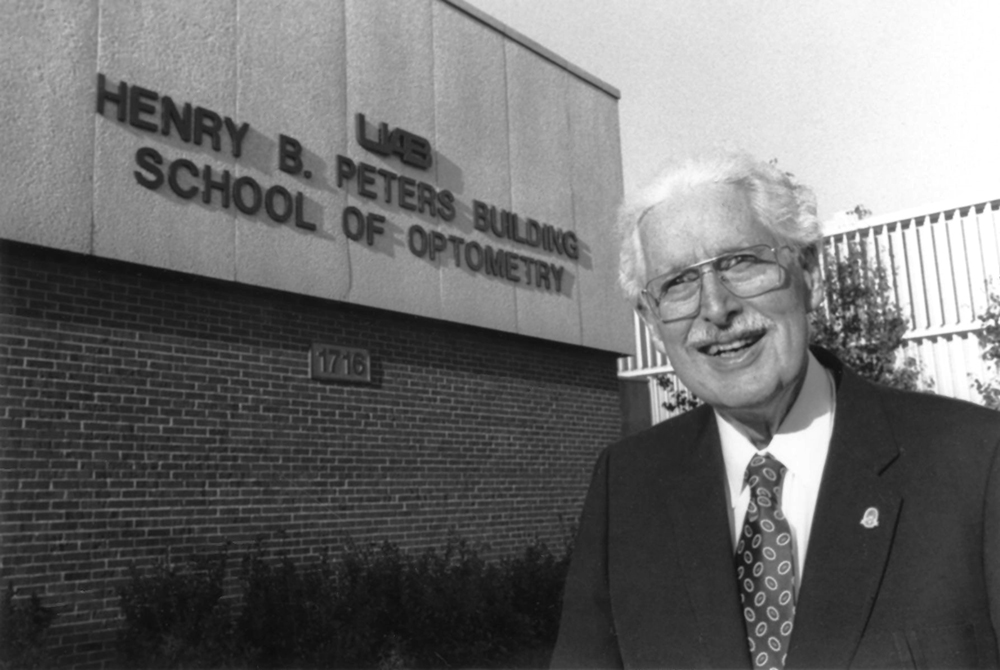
pixel 717 349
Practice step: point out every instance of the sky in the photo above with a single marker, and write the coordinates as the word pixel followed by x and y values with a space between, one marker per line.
pixel 893 104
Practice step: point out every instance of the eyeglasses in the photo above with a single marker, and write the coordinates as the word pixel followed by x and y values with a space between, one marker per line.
pixel 746 273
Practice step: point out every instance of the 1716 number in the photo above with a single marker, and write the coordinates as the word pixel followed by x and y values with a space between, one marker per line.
pixel 330 361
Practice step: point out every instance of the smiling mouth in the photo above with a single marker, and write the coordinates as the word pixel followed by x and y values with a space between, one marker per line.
pixel 733 346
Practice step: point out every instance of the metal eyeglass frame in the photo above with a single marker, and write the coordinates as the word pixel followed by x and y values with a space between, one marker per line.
pixel 654 304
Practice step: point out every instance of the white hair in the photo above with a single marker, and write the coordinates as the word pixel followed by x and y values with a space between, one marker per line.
pixel 778 201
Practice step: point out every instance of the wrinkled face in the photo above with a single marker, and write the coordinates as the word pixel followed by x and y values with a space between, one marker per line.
pixel 735 353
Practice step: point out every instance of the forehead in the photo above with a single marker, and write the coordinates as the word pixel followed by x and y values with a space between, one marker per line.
pixel 700 223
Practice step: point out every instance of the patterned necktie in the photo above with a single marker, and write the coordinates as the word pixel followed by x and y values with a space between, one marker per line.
pixel 764 566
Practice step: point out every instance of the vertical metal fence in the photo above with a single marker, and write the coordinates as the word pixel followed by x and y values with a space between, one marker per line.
pixel 940 263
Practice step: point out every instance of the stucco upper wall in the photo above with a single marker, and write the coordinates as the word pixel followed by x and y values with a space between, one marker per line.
pixel 117 170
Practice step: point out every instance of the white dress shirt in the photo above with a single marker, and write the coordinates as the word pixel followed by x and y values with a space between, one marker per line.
pixel 801 444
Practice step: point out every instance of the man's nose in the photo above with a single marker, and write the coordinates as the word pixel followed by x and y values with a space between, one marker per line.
pixel 718 304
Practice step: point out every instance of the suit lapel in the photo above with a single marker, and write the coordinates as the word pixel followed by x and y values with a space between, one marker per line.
pixel 846 559
pixel 672 578
pixel 698 511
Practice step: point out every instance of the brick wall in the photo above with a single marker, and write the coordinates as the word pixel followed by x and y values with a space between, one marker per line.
pixel 146 411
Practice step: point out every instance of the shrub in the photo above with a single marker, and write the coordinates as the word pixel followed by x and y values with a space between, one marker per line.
pixel 23 624
pixel 537 579
pixel 287 613
pixel 175 618
pixel 450 609
pixel 376 607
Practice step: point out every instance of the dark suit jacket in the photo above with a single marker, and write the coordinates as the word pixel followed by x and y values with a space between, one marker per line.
pixel 652 581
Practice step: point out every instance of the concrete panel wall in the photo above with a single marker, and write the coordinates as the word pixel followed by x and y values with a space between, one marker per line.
pixel 390 52
pixel 47 134
pixel 596 176
pixel 507 125
pixel 540 182
pixel 294 87
pixel 186 51
pixel 472 156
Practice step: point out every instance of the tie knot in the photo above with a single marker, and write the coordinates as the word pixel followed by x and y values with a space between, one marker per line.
pixel 764 472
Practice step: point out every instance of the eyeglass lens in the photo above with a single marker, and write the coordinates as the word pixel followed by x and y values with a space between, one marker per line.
pixel 745 273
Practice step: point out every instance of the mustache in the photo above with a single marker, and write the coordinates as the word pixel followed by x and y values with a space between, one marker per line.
pixel 707 334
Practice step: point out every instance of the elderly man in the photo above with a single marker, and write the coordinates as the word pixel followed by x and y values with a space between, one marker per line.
pixel 802 517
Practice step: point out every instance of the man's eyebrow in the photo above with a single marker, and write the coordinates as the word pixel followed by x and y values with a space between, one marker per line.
pixel 741 247
pixel 725 251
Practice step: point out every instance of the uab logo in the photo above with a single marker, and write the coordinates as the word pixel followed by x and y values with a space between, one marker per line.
pixel 411 149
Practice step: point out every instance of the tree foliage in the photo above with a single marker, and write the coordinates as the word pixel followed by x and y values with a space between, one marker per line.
pixel 679 399
pixel 862 324
pixel 989 338
pixel 859 211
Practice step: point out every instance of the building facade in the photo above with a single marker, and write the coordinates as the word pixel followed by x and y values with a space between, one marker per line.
pixel 308 272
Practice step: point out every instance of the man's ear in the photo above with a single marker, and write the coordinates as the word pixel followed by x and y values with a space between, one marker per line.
pixel 652 325
pixel 813 277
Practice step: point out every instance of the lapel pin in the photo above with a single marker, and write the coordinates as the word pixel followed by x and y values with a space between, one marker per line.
pixel 870 519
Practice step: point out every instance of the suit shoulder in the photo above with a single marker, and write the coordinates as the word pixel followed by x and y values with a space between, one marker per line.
pixel 934 424
pixel 925 408
pixel 679 433
pixel 936 414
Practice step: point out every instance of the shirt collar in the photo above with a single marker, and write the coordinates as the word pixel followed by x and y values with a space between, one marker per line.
pixel 805 430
